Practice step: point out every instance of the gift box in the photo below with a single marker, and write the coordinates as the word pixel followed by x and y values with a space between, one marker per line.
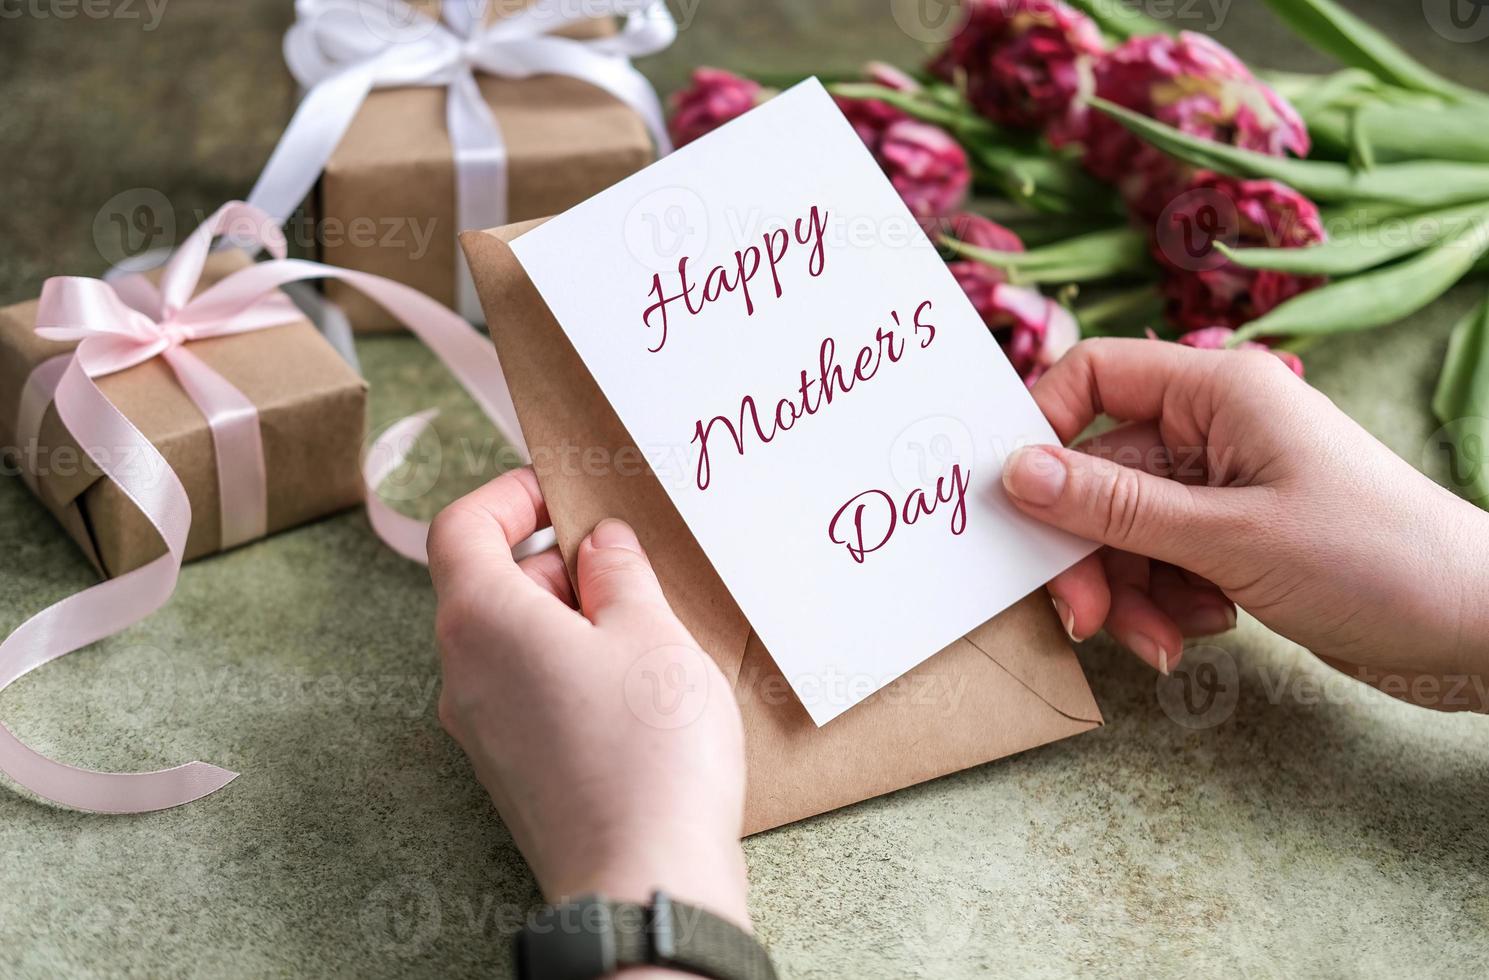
pixel 312 418
pixel 386 201
pixel 212 414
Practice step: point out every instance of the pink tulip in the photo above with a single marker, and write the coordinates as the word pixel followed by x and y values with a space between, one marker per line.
pixel 978 279
pixel 927 167
pixel 1191 83
pixel 1218 338
pixel 980 232
pixel 923 162
pixel 1025 63
pixel 1033 330
pixel 713 98
pixel 871 117
pixel 1204 289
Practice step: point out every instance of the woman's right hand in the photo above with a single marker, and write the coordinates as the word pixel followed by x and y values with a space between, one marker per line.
pixel 1233 481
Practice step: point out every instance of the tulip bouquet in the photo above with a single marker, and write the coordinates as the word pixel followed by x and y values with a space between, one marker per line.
pixel 1150 183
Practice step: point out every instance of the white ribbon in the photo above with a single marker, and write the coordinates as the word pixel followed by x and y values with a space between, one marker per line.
pixel 340 50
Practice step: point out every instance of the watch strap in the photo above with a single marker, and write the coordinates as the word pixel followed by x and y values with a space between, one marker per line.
pixel 592 937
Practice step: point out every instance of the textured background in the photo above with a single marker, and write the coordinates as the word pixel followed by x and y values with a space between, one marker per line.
pixel 1315 828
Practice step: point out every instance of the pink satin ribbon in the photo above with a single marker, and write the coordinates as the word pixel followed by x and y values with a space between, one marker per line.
pixel 119 325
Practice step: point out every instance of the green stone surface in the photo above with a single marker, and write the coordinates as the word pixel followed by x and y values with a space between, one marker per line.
pixel 1315 829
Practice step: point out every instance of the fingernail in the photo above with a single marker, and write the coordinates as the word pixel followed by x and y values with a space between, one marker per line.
pixel 1211 620
pixel 1034 475
pixel 611 533
pixel 1067 617
pixel 1152 652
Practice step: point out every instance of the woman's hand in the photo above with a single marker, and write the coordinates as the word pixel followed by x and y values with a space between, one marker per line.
pixel 610 743
pixel 1232 482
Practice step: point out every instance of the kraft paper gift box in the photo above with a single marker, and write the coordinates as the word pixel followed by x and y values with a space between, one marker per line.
pixel 386 200
pixel 1011 684
pixel 312 419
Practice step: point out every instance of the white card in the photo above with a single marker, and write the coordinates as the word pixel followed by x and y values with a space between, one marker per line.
pixel 859 535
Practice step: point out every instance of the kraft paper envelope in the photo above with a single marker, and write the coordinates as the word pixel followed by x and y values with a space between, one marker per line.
pixel 1009 685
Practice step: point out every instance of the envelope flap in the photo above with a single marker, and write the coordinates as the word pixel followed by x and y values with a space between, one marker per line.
pixel 1050 671
pixel 582 454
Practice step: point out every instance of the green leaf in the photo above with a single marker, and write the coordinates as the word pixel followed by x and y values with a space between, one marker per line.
pixel 1446 133
pixel 1341 35
pixel 1361 150
pixel 1121 314
pixel 1397 133
pixel 1036 230
pixel 1311 93
pixel 1044 181
pixel 1379 297
pixel 1461 404
pixel 1108 254
pixel 959 119
pixel 1424 184
pixel 1373 245
pixel 1119 21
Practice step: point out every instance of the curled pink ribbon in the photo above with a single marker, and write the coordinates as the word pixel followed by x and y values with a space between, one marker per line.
pixel 121 324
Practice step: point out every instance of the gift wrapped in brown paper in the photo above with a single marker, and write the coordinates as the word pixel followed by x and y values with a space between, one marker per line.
pixel 209 413
pixel 424 119
pixel 311 410
pixel 1009 685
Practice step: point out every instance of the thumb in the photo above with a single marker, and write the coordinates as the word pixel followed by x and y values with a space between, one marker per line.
pixel 615 577
pixel 1126 508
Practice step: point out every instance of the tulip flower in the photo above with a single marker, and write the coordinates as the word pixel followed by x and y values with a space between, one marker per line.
pixel 871 117
pixel 1202 287
pixel 1033 330
pixel 978 279
pixel 712 98
pixel 927 167
pixel 1025 63
pixel 1218 338
pixel 924 163
pixel 1194 84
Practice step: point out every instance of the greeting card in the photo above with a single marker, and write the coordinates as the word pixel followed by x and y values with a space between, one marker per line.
pixel 815 393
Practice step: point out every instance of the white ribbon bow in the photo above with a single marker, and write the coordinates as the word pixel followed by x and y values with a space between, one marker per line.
pixel 340 50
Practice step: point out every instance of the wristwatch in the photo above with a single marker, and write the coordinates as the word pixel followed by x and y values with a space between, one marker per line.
pixel 590 937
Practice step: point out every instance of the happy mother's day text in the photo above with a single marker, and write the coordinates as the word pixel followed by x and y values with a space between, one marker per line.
pixel 868 520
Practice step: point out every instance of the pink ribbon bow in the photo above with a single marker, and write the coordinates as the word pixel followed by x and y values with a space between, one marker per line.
pixel 127 322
